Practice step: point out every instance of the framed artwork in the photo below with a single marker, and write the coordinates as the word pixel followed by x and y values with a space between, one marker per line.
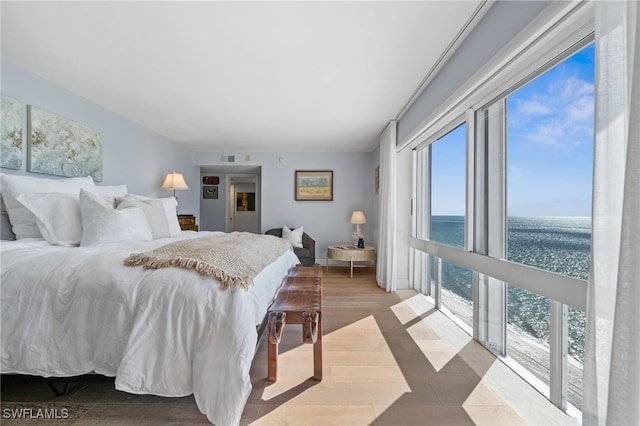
pixel 211 180
pixel 314 185
pixel 11 143
pixel 61 147
pixel 376 179
pixel 245 201
pixel 209 192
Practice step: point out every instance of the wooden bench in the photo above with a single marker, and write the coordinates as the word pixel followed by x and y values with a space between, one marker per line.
pixel 299 301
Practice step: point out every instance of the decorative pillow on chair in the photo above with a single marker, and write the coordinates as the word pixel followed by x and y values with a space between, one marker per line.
pixel 57 216
pixel 101 223
pixel 294 237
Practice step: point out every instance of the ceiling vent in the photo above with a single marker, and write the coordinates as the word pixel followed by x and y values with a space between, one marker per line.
pixel 227 158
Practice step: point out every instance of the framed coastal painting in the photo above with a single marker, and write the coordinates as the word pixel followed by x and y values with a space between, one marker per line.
pixel 11 143
pixel 61 147
pixel 314 185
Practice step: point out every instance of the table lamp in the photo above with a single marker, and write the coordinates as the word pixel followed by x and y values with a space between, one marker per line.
pixel 357 218
pixel 174 181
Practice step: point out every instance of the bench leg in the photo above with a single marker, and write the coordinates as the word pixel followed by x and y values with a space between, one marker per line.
pixel 272 375
pixel 277 321
pixel 317 352
pixel 310 326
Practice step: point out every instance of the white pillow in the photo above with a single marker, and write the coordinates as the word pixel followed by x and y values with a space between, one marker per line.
pixel 6 234
pixel 23 222
pixel 294 237
pixel 160 212
pixel 111 191
pixel 57 216
pixel 101 223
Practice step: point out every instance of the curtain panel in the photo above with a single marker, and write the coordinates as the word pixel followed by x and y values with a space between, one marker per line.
pixel 385 270
pixel 612 355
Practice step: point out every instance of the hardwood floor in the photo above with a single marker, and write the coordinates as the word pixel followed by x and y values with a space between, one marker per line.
pixel 389 359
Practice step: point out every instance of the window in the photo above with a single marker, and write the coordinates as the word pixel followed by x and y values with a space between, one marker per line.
pixel 549 185
pixel 448 200
pixel 518 191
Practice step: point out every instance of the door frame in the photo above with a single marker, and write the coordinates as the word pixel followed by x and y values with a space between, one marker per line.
pixel 230 181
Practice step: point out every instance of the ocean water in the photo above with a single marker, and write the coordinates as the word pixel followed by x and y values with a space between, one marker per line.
pixel 557 244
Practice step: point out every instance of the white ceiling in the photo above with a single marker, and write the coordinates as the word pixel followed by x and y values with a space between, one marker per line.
pixel 253 76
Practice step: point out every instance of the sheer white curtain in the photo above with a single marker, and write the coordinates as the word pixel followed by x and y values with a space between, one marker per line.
pixel 385 266
pixel 612 356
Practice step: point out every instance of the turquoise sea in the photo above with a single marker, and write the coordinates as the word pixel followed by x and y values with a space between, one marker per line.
pixel 557 244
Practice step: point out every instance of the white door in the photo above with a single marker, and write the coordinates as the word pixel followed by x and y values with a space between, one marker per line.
pixel 243 204
pixel 231 195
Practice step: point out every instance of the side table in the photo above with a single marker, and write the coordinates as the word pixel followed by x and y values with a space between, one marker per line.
pixel 350 253
pixel 187 222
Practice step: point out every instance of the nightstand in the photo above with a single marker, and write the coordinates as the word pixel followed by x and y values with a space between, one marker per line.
pixel 351 253
pixel 187 222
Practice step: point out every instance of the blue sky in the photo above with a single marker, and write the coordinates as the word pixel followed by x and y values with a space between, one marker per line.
pixel 549 146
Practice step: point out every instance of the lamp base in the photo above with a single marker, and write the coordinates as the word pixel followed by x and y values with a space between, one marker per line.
pixel 356 237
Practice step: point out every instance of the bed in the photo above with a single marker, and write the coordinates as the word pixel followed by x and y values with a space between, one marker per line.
pixel 68 311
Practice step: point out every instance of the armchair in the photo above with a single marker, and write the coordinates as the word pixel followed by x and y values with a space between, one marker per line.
pixel 306 254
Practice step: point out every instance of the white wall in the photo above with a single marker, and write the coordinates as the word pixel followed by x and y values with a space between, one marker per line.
pixel 325 221
pixel 212 210
pixel 499 26
pixel 132 154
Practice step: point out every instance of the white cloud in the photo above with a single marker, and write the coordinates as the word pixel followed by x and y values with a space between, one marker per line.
pixel 534 108
pixel 575 87
pixel 518 173
pixel 549 133
pixel 581 109
pixel 560 115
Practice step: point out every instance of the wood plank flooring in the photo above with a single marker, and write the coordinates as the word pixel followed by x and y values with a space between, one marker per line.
pixel 389 359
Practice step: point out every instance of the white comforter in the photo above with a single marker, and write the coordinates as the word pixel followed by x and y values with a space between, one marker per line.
pixel 169 332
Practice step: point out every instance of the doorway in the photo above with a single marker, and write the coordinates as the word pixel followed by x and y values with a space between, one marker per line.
pixel 220 211
pixel 243 203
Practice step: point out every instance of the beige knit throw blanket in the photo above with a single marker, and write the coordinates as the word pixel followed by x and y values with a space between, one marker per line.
pixel 233 259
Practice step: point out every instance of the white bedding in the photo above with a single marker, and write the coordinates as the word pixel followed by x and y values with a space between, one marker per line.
pixel 169 332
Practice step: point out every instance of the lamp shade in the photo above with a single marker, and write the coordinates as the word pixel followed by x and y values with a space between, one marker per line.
pixel 174 181
pixel 357 218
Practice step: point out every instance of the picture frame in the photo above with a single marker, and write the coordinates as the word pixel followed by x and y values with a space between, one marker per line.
pixel 376 180
pixel 246 201
pixel 61 147
pixel 211 180
pixel 314 185
pixel 210 192
pixel 11 129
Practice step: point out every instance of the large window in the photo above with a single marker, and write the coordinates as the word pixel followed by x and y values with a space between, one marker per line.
pixel 448 200
pixel 516 188
pixel 549 169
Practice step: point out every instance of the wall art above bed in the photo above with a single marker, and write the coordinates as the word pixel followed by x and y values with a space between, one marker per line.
pixel 61 147
pixel 11 144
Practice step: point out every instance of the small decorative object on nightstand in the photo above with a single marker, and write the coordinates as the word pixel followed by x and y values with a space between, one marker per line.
pixel 357 218
pixel 187 222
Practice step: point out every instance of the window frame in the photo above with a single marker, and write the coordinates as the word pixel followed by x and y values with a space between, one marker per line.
pixel 560 31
